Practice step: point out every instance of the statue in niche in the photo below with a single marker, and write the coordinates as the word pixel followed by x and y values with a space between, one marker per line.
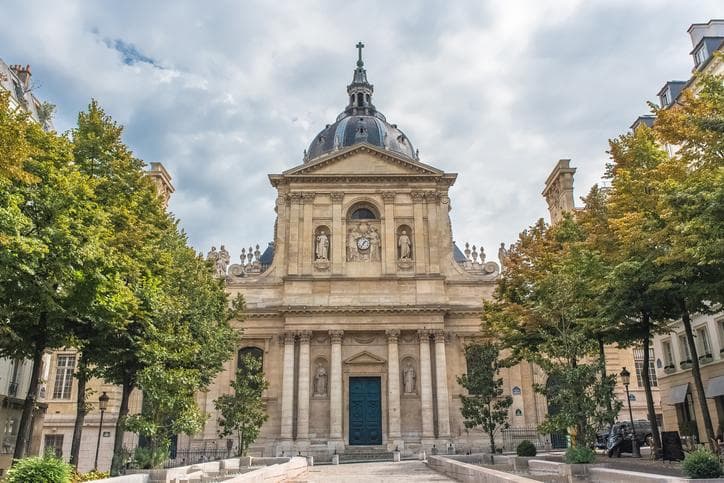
pixel 222 262
pixel 403 242
pixel 353 250
pixel 322 249
pixel 374 245
pixel 408 379
pixel 320 380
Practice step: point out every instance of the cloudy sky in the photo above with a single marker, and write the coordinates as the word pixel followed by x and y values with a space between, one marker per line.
pixel 224 92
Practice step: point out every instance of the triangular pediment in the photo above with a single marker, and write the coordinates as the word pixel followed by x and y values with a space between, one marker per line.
pixel 364 357
pixel 364 160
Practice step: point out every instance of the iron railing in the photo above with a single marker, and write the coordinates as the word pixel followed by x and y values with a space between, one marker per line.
pixel 512 437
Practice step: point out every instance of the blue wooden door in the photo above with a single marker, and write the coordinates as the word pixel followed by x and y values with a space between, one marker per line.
pixel 365 411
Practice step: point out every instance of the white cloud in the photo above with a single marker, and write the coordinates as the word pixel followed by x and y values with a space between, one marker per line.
pixel 227 92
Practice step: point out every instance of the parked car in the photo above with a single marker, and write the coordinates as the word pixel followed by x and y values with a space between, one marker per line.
pixel 620 437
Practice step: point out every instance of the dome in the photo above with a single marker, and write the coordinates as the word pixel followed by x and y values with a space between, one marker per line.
pixel 360 123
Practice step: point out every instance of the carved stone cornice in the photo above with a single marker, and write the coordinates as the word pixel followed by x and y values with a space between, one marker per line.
pixel 417 196
pixel 388 196
pixel 305 336
pixel 336 336
pixel 336 196
pixel 392 335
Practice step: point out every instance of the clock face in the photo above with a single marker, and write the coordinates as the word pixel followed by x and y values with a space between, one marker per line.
pixel 363 243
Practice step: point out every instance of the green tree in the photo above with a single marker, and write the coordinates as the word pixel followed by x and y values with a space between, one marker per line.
pixel 243 412
pixel 485 405
pixel 52 238
pixel 547 310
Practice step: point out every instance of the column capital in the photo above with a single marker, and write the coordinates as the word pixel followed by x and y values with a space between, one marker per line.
pixel 423 335
pixel 417 196
pixel 336 336
pixel 439 335
pixel 336 196
pixel 307 196
pixel 432 196
pixel 392 335
pixel 294 197
pixel 388 196
pixel 286 337
pixel 305 336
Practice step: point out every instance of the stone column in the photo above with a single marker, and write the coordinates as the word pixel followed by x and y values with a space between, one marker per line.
pixel 335 386
pixel 303 390
pixel 389 242
pixel 443 406
pixel 339 237
pixel 428 431
pixel 393 388
pixel 287 386
pixel 432 201
pixel 419 250
pixel 293 246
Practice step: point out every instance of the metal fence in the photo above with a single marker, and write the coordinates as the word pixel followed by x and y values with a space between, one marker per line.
pixel 512 437
pixel 183 457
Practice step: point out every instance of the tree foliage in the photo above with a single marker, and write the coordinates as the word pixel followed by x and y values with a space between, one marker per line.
pixel 485 405
pixel 243 412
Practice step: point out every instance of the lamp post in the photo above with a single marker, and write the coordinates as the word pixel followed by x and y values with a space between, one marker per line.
pixel 102 405
pixel 625 380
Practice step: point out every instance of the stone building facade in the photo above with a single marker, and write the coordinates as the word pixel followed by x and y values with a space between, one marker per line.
pixel 362 317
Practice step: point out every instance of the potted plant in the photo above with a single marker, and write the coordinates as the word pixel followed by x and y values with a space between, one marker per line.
pixel 685 364
pixel 706 358
pixel 670 368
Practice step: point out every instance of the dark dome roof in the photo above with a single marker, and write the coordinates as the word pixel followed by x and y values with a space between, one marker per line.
pixel 360 123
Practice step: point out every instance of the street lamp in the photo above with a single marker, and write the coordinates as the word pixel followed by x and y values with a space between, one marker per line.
pixel 625 380
pixel 102 405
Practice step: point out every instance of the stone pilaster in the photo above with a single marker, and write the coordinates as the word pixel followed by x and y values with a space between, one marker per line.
pixel 432 202
pixel 393 389
pixel 287 422
pixel 295 200
pixel 419 251
pixel 428 432
pixel 303 390
pixel 335 386
pixel 307 241
pixel 443 405
pixel 390 238
pixel 338 235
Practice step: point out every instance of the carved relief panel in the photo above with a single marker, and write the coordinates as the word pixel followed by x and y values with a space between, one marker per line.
pixel 364 243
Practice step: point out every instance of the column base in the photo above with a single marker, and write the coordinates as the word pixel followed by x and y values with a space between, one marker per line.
pixel 427 445
pixel 284 447
pixel 301 446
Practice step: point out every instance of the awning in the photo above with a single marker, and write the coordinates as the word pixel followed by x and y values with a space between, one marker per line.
pixel 715 387
pixel 677 394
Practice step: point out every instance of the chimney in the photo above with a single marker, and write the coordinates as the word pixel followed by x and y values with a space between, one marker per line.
pixel 558 190
pixel 23 74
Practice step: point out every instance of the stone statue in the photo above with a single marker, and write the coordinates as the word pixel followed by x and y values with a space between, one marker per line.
pixel 213 257
pixel 408 379
pixel 374 245
pixel 404 243
pixel 353 254
pixel 322 249
pixel 320 380
pixel 502 255
pixel 222 262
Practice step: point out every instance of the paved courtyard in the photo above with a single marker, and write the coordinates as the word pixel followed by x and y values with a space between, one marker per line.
pixel 373 472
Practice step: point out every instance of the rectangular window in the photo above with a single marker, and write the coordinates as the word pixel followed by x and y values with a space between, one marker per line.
pixel 668 353
pixel 684 349
pixel 64 377
pixel 54 443
pixel 700 55
pixel 639 363
pixel 703 343
pixel 665 97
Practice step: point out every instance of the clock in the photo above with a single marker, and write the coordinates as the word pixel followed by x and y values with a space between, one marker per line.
pixel 363 243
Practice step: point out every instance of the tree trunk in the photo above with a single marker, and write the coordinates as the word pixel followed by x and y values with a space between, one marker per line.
pixel 127 388
pixel 21 441
pixel 80 411
pixel 696 372
pixel 602 356
pixel 645 375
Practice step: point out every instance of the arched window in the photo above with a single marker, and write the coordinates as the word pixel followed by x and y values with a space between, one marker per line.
pixel 363 214
pixel 255 352
pixel 360 99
